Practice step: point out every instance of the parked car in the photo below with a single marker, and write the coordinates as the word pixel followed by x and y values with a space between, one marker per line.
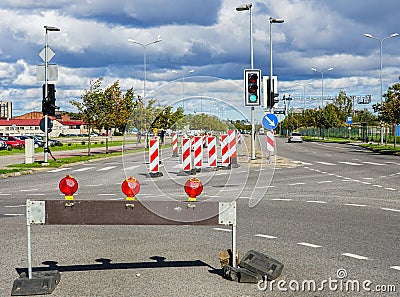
pixel 13 142
pixel 295 137
pixel 37 142
pixel 3 145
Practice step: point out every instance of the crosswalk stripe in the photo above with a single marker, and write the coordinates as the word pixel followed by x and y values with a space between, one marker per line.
pixel 83 169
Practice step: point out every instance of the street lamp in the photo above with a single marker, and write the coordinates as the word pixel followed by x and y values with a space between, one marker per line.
pixel 248 7
pixel 271 87
pixel 380 72
pixel 304 92
pixel 144 59
pixel 322 86
pixel 183 86
pixel 46 75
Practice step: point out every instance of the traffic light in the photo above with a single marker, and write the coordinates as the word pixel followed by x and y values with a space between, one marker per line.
pixel 271 95
pixel 252 87
pixel 49 101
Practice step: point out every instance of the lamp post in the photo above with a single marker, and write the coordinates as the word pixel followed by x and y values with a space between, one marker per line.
pixel 304 93
pixel 380 72
pixel 248 7
pixel 144 80
pixel 272 21
pixel 144 59
pixel 46 75
pixel 183 86
pixel 322 85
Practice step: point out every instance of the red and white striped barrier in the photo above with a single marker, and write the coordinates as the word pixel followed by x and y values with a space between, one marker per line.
pixel 212 151
pixel 239 137
pixel 174 145
pixel 198 151
pixel 270 141
pixel 225 154
pixel 154 157
pixel 186 154
pixel 232 147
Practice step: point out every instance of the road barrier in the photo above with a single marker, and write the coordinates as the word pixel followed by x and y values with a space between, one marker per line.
pixel 154 158
pixel 232 148
pixel 270 141
pixel 112 212
pixel 212 151
pixel 225 153
pixel 198 151
pixel 186 155
pixel 174 145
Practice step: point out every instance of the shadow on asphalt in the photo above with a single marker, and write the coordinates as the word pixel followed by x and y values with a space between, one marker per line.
pixel 105 264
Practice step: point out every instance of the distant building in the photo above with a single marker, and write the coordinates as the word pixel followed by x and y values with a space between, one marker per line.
pixel 5 110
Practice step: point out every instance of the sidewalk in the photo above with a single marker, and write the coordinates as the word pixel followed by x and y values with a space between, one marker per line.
pixel 19 158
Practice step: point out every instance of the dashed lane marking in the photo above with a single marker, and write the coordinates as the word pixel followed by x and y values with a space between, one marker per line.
pixel 324 182
pixel 14 206
pixel 97 185
pixel 326 163
pixel 395 267
pixel 222 229
pixel 266 236
pixel 316 201
pixel 390 189
pixel 391 209
pixel 281 199
pixel 309 244
pixel 59 169
pixel 295 184
pixel 83 169
pixel 355 256
pixel 357 205
pixel 378 186
pixel 351 163
pixel 106 168
pixel 373 163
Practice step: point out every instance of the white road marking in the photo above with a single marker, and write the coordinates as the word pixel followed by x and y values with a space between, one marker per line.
pixel 222 229
pixel 4 194
pixel 351 163
pixel 378 186
pixel 105 194
pixel 395 267
pixel 366 183
pixel 355 256
pixel 352 204
pixel 98 185
pixel 59 169
pixel 390 189
pixel 106 168
pixel 309 244
pixel 391 209
pixel 28 190
pixel 325 181
pixel 131 167
pixel 373 163
pixel 36 194
pixel 281 199
pixel 14 214
pixel 316 201
pixel 83 169
pixel 266 236
pixel 295 184
pixel 13 206
pixel 369 178
pixel 326 163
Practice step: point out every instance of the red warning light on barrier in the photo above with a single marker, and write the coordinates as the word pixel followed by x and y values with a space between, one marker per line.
pixel 193 187
pixel 130 187
pixel 68 186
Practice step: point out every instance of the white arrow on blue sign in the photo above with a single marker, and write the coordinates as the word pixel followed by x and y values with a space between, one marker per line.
pixel 270 121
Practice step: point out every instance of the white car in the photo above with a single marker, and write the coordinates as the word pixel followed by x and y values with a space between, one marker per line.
pixel 295 137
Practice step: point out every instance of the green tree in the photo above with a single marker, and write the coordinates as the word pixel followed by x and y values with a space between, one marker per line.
pixel 344 105
pixel 390 109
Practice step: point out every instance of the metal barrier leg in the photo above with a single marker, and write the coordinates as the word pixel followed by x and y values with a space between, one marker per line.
pixel 234 264
pixel 28 229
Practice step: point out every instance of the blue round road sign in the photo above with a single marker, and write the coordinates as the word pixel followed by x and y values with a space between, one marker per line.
pixel 270 121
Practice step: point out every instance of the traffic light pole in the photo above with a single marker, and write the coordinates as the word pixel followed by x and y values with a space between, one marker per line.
pixel 46 128
pixel 253 130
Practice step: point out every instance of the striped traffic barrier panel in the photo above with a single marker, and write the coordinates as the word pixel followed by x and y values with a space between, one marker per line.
pixel 239 137
pixel 198 151
pixel 212 151
pixel 186 154
pixel 154 158
pixel 232 148
pixel 270 141
pixel 174 145
pixel 225 154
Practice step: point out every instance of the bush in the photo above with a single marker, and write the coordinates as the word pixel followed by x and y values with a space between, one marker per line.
pixel 83 142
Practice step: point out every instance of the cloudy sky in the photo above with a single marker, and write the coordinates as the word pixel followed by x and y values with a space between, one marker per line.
pixel 207 36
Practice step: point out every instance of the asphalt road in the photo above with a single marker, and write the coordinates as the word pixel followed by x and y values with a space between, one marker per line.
pixel 325 208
